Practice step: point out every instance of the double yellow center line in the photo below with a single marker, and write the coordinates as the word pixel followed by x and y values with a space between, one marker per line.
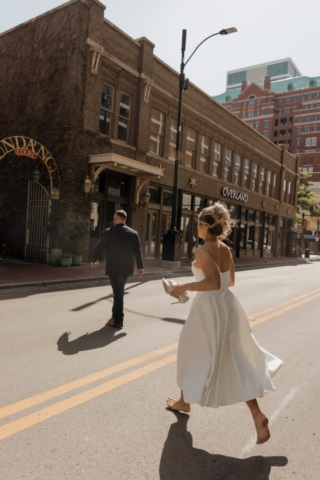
pixel 48 412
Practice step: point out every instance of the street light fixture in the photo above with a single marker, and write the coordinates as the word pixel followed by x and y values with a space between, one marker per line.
pixel 171 251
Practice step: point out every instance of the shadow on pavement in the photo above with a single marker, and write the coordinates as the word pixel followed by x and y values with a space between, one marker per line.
pixel 180 460
pixel 98 339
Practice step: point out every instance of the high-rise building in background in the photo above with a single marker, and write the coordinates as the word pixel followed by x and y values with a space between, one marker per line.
pixel 286 111
pixel 276 70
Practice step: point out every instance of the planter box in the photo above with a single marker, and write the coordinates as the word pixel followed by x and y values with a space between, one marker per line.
pixel 53 256
pixel 76 260
pixel 66 262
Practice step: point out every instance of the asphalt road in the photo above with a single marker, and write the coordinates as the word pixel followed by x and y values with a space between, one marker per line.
pixel 78 402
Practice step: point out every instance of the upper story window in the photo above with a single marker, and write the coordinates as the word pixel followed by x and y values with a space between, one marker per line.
pixel 307 118
pixel 191 147
pixel 251 114
pixel 243 114
pixel 257 113
pixel 106 110
pixel 244 103
pixel 237 171
pixel 262 180
pixel 288 99
pixel 301 97
pixel 267 111
pixel 258 101
pixel 251 102
pixel 310 95
pixel 280 101
pixel 287 110
pixel 299 130
pixel 235 105
pixel 216 160
pixel 173 140
pixel 269 100
pixel 124 117
pixel 266 124
pixel 254 177
pixel 266 134
pixel 315 128
pixel 246 176
pixel 295 98
pixel 269 179
pixel 156 132
pixel 306 129
pixel 205 152
pixel 299 119
pixel 227 164
pixel 315 118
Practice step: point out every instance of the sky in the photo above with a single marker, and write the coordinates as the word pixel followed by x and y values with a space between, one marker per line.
pixel 267 31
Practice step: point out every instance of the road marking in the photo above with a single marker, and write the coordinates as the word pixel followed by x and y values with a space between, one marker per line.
pixel 78 399
pixel 283 310
pixel 60 407
pixel 275 307
pixel 81 382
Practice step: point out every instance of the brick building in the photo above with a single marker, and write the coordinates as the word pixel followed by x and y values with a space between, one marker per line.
pixel 83 98
pixel 285 111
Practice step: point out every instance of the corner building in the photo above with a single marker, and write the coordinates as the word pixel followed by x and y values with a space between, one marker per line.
pixel 104 105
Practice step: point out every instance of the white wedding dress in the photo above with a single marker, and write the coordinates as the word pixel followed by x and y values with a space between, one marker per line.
pixel 219 360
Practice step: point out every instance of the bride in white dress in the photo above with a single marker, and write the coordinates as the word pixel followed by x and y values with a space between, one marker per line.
pixel 219 360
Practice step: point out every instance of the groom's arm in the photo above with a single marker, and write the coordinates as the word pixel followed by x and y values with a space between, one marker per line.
pixel 138 253
pixel 100 246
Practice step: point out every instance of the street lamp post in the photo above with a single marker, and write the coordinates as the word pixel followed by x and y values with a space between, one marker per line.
pixel 171 252
pixel 302 235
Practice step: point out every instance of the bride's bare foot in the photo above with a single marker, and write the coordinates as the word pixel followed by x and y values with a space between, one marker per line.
pixel 261 424
pixel 175 404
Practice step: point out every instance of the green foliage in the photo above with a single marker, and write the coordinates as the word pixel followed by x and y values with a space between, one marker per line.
pixel 306 197
pixel 79 231
pixel 83 205
pixel 57 219
pixel 64 255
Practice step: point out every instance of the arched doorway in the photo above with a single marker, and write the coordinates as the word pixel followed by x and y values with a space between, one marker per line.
pixel 27 203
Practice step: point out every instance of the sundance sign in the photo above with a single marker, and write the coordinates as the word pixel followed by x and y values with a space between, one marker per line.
pixel 234 194
pixel 27 147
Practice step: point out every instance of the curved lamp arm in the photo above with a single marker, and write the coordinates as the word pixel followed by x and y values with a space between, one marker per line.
pixel 225 31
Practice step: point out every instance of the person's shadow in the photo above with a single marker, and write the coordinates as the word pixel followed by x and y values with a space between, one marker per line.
pixel 89 341
pixel 180 460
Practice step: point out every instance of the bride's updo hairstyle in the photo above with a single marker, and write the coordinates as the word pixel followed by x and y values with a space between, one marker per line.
pixel 216 219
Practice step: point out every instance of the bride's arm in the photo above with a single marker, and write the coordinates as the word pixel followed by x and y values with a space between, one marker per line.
pixel 210 270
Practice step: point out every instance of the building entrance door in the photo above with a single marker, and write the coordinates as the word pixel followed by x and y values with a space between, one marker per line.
pixel 152 237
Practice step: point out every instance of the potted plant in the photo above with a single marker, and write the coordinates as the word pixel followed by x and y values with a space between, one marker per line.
pixel 78 233
pixel 65 259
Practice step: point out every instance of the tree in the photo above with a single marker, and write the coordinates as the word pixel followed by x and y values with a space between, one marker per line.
pixel 306 197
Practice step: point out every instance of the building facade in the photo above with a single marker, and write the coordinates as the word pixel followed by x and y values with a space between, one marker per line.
pixel 92 101
pixel 285 111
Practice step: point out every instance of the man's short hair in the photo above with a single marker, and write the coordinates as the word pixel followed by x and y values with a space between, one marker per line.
pixel 122 214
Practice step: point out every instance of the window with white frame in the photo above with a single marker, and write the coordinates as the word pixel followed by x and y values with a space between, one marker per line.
pixel 246 176
pixel 262 180
pixel 314 141
pixel 227 164
pixel 124 117
pixel 254 177
pixel 106 110
pixel 156 132
pixel 191 147
pixel 205 151
pixel 238 169
pixel 173 140
pixel 216 159
pixel 308 142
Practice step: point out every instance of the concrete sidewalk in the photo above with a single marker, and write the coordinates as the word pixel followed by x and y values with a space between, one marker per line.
pixel 15 273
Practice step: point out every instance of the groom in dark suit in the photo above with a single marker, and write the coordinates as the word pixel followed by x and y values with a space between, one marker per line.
pixel 122 245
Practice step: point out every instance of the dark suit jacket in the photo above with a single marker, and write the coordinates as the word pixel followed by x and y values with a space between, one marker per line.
pixel 122 245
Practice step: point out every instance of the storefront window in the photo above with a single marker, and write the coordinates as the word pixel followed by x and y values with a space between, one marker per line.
pixel 242 235
pixel 243 214
pixel 266 220
pixel 186 201
pixel 167 197
pixel 257 238
pixel 258 217
pixel 116 188
pixel 251 215
pixel 250 239
pixel 234 211
pixel 155 193
pixel 272 220
pixel 198 204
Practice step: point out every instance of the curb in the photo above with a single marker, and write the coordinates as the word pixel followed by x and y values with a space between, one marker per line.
pixel 147 276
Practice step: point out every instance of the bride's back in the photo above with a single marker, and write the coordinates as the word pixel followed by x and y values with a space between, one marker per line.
pixel 220 253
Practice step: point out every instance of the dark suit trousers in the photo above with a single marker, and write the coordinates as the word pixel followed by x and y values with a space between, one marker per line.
pixel 118 283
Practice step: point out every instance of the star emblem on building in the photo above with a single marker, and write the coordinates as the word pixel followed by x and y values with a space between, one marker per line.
pixel 193 181
pixel 161 167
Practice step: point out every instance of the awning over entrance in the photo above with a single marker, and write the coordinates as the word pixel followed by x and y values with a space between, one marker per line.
pixel 127 166
pixel 118 163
